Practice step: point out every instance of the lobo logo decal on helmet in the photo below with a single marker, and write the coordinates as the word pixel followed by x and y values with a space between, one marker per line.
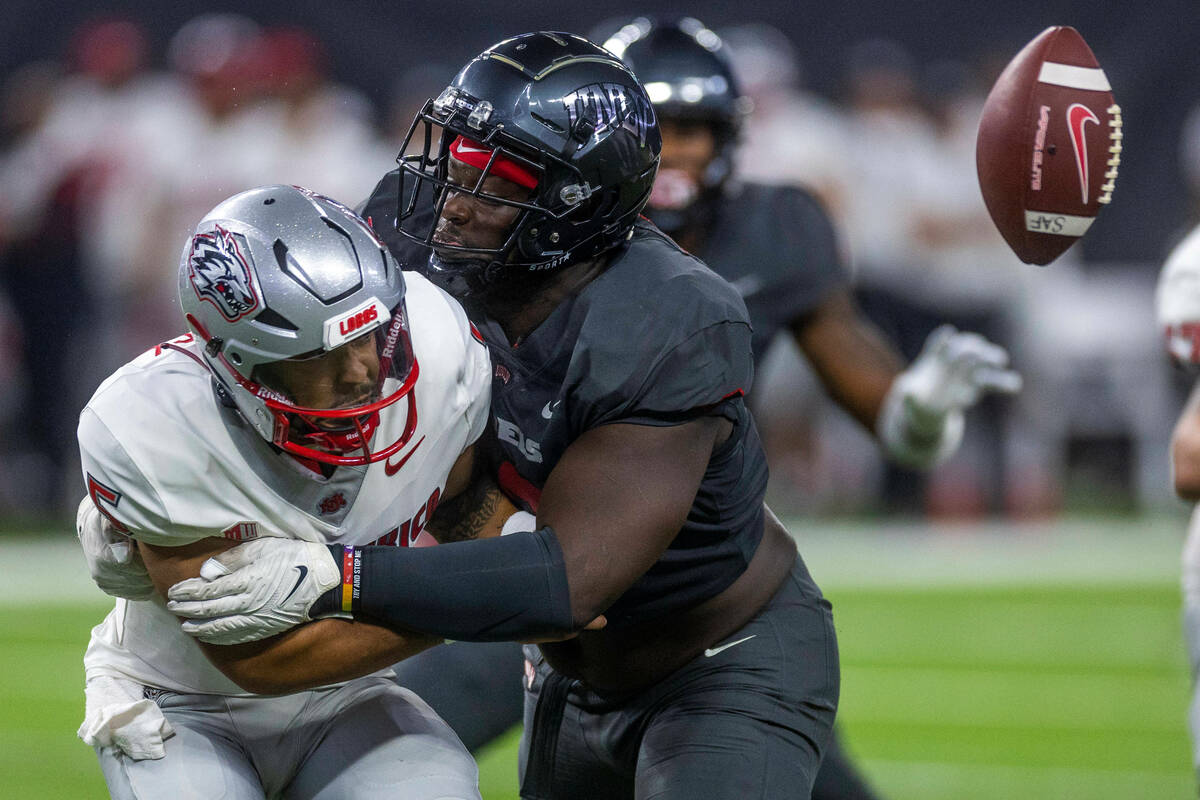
pixel 609 106
pixel 220 273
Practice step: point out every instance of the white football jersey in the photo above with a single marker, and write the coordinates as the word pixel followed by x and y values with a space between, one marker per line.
pixel 165 459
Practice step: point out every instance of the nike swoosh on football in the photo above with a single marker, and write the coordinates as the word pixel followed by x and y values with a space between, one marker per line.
pixel 1078 116
pixel 712 651
pixel 391 469
pixel 303 574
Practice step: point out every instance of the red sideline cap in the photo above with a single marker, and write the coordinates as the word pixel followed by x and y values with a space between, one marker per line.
pixel 477 155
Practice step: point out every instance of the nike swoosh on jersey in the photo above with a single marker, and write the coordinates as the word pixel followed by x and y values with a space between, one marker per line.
pixel 303 575
pixel 391 469
pixel 712 651
pixel 549 409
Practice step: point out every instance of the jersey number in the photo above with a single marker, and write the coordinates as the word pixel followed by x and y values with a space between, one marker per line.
pixel 103 497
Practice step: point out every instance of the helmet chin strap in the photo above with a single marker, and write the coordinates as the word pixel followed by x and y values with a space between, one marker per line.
pixel 475 277
pixel 467 277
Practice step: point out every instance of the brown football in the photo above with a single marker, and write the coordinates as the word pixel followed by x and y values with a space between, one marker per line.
pixel 1049 145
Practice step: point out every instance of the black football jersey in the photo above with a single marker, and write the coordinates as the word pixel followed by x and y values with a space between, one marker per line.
pixel 777 246
pixel 379 211
pixel 656 339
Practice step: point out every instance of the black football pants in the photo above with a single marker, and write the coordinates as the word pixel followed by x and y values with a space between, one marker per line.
pixel 749 718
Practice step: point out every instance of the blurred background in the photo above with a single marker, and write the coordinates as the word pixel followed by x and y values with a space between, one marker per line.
pixel 120 127
pixel 122 124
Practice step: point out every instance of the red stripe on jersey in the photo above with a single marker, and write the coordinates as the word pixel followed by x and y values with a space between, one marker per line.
pixel 518 488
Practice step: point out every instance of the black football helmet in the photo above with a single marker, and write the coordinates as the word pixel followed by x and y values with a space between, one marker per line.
pixel 551 105
pixel 688 77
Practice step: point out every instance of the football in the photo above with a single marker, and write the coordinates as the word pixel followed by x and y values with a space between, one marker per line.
pixel 1049 145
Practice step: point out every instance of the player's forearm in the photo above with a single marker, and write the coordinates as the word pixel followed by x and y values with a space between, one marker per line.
pixel 319 653
pixel 498 589
pixel 855 363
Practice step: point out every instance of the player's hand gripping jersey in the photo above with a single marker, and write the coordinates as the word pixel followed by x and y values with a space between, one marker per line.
pixel 169 463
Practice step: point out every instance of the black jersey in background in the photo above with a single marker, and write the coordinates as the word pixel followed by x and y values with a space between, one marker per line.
pixel 777 246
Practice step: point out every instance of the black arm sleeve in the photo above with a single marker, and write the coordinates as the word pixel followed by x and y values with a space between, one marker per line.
pixel 509 588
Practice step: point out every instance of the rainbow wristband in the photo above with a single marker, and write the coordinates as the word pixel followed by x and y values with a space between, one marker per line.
pixel 351 578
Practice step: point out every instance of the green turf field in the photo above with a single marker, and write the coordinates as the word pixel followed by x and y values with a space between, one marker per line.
pixel 990 664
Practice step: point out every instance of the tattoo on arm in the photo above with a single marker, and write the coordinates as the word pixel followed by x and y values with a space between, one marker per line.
pixel 470 514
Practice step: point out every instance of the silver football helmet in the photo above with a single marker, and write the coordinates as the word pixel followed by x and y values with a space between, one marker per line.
pixel 282 274
pixel 1177 301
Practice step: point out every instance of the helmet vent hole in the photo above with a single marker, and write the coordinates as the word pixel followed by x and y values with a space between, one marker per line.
pixel 273 318
pixel 235 358
pixel 268 201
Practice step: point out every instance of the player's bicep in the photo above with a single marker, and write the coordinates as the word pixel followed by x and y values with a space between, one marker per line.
pixel 170 565
pixel 618 497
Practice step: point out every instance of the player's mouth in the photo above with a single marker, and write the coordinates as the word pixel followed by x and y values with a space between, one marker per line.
pixel 452 249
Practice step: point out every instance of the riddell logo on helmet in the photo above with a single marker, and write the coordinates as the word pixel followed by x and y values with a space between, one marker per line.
pixel 393 335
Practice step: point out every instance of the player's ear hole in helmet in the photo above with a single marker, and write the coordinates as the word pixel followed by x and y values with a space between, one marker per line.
pixel 300 309
pixel 556 111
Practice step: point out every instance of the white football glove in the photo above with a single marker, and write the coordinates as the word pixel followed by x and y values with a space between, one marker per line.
pixel 921 423
pixel 119 716
pixel 112 558
pixel 255 590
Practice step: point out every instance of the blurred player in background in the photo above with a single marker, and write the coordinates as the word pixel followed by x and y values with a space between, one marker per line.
pixel 1178 307
pixel 289 411
pixel 778 248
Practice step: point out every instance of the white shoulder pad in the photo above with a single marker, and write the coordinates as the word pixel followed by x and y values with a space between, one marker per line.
pixel 475 374
pixel 118 488
pixel 130 416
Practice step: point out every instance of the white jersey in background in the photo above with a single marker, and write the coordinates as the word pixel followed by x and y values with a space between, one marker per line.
pixel 165 459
